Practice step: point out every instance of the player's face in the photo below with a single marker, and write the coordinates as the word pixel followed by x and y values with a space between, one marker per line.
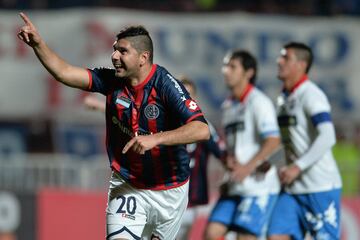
pixel 125 59
pixel 288 65
pixel 233 72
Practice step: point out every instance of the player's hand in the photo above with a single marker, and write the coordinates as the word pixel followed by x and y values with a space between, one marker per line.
pixel 93 103
pixel 230 162
pixel 263 167
pixel 28 32
pixel 240 172
pixel 288 174
pixel 140 144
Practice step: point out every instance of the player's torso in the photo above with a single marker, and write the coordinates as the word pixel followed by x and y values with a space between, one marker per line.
pixel 240 129
pixel 239 121
pixel 297 131
pixel 144 112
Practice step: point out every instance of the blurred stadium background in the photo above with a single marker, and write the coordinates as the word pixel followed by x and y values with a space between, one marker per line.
pixel 53 167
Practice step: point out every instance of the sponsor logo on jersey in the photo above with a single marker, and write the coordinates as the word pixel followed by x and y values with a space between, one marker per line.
pixel 124 129
pixel 177 85
pixel 191 105
pixel 151 111
pixel 234 127
pixel 287 120
pixel 124 215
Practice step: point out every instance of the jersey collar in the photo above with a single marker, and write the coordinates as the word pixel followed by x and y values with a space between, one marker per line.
pixel 246 92
pixel 147 79
pixel 299 83
pixel 303 79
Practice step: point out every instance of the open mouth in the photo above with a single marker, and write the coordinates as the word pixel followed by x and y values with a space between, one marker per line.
pixel 119 67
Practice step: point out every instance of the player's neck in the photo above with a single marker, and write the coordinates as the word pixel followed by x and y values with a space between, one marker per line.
pixel 239 90
pixel 141 76
pixel 290 83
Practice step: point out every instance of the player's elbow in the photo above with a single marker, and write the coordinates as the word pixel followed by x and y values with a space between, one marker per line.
pixel 205 132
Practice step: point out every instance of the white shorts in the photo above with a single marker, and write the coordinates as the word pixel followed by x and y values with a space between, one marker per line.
pixel 130 209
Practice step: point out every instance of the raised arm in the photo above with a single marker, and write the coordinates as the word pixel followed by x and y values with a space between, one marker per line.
pixel 62 71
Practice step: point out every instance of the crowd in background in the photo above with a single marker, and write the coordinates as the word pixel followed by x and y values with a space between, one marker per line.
pixel 296 7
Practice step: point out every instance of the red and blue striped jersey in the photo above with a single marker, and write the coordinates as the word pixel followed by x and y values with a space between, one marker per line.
pixel 159 103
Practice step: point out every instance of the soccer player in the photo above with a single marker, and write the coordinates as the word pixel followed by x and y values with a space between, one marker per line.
pixel 149 119
pixel 252 135
pixel 199 155
pixel 311 200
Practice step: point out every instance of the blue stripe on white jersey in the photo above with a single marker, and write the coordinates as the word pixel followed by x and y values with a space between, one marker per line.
pixel 274 133
pixel 321 118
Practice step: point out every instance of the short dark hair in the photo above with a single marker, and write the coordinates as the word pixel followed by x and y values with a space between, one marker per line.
pixel 139 37
pixel 187 81
pixel 302 52
pixel 247 60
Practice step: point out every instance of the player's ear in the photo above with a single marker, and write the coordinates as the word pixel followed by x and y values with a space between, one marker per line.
pixel 302 65
pixel 144 57
pixel 250 73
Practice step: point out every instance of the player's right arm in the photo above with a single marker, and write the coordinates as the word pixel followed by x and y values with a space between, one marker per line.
pixel 61 70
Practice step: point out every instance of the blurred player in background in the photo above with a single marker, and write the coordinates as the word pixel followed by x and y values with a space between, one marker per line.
pixel 252 135
pixel 311 200
pixel 149 118
pixel 199 156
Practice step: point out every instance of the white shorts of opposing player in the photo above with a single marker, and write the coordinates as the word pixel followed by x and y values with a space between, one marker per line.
pixel 139 213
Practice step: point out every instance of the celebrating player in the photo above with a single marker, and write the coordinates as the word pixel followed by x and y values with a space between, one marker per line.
pixel 252 135
pixel 311 200
pixel 149 118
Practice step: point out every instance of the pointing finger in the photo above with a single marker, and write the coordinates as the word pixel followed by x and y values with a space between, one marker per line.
pixel 26 19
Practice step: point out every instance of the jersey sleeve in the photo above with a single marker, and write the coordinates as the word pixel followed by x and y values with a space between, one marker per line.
pixel 265 118
pixel 179 101
pixel 317 107
pixel 100 80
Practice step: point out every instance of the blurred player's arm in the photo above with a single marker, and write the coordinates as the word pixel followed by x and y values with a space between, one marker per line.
pixel 190 132
pixel 269 145
pixel 215 144
pixel 323 143
pixel 94 103
pixel 62 71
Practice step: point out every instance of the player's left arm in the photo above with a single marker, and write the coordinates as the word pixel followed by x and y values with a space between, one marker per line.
pixel 193 131
pixel 319 111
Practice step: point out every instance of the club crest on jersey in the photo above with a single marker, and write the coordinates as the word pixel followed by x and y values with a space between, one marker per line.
pixel 151 111
pixel 191 105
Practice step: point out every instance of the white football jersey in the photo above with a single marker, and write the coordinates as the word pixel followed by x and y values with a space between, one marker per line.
pixel 247 123
pixel 298 115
